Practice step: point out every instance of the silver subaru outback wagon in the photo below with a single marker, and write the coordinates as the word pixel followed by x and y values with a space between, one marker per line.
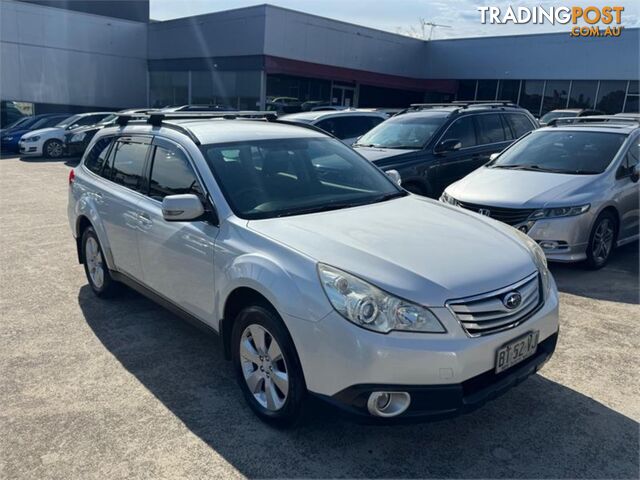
pixel 319 273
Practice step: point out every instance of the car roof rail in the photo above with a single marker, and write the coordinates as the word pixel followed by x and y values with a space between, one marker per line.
pixel 459 104
pixel 593 119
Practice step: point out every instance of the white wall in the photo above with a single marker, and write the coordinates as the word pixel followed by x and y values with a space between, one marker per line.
pixel 51 55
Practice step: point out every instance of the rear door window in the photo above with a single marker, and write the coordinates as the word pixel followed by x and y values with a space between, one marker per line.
pixel 349 126
pixel 519 124
pixel 490 129
pixel 127 162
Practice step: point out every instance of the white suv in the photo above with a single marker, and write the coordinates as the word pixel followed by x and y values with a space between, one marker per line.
pixel 318 272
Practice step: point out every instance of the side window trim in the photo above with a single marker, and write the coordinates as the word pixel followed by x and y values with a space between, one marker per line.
pixel 113 141
pixel 130 139
pixel 475 133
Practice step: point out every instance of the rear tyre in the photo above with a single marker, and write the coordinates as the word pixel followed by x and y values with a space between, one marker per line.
pixel 267 366
pixel 53 149
pixel 95 266
pixel 601 240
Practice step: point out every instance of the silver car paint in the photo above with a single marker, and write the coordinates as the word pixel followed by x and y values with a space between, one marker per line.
pixel 527 189
pixel 415 247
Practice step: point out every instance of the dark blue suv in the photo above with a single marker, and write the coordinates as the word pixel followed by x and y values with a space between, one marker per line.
pixel 433 145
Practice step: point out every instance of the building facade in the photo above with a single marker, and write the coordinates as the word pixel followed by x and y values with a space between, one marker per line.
pixel 77 56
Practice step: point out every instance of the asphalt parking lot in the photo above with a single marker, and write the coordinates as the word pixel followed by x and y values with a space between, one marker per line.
pixel 123 389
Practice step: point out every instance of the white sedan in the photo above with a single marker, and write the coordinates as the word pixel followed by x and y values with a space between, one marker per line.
pixel 49 142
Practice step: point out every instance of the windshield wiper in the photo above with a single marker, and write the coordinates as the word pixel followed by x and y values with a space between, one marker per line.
pixel 339 205
pixel 388 196
pixel 364 145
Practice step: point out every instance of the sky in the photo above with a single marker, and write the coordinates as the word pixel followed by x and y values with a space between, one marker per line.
pixel 402 16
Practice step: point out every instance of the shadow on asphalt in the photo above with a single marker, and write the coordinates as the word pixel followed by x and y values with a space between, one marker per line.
pixel 68 161
pixel 539 429
pixel 617 282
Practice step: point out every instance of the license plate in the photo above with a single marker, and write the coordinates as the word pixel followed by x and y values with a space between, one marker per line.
pixel 516 351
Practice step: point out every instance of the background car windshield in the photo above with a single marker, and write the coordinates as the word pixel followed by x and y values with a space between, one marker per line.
pixel 69 121
pixel 270 178
pixel 547 117
pixel 24 121
pixel 577 152
pixel 404 131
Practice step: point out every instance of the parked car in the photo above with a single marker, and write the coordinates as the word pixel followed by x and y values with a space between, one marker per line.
pixel 380 302
pixel 77 139
pixel 573 188
pixel 346 125
pixel 567 113
pixel 10 136
pixel 49 142
pixel 199 108
pixel 433 145
pixel 284 105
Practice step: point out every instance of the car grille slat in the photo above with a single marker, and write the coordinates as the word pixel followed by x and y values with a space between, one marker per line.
pixel 511 216
pixel 485 314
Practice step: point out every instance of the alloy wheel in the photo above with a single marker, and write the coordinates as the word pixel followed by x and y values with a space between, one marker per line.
pixel 603 240
pixel 95 264
pixel 264 367
pixel 54 149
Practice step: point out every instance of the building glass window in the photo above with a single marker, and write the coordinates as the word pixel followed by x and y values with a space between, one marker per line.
pixel 509 90
pixel 555 95
pixel 466 90
pixel 611 96
pixel 531 95
pixel 168 89
pixel 11 112
pixel 487 89
pixel 288 94
pixel 239 90
pixel 633 96
pixel 583 93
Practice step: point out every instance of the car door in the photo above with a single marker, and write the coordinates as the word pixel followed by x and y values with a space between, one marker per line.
pixel 119 201
pixel 176 257
pixel 628 192
pixel 453 165
pixel 494 135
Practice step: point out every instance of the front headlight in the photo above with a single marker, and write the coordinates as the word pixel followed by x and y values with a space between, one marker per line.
pixel 559 212
pixel 32 139
pixel 7 139
pixel 446 198
pixel 539 258
pixel 371 308
pixel 78 137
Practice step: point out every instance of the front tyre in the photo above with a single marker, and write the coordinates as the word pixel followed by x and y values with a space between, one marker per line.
pixel 267 366
pixel 95 266
pixel 53 149
pixel 601 240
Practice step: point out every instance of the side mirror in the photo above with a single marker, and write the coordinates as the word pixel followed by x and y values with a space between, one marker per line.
pixel 493 156
pixel 181 208
pixel 450 145
pixel 635 173
pixel 395 176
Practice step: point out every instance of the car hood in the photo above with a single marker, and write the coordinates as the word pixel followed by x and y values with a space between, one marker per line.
pixel 13 133
pixel 518 188
pixel 46 132
pixel 413 247
pixel 373 154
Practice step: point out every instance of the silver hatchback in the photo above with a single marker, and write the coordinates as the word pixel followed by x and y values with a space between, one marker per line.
pixel 573 188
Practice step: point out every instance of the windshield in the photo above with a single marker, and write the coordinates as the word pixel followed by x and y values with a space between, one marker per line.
pixel 547 117
pixel 281 177
pixel 21 122
pixel 69 121
pixel 573 152
pixel 108 119
pixel 403 132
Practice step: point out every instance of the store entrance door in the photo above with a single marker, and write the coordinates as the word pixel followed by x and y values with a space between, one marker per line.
pixel 343 96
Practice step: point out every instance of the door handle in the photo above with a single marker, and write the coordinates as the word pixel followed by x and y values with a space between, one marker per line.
pixel 144 219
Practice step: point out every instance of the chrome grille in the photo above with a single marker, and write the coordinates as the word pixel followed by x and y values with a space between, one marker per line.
pixel 511 216
pixel 485 314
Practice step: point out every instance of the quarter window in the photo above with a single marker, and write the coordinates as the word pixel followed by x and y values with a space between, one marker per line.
pixel 490 129
pixel 463 130
pixel 97 156
pixel 127 163
pixel 171 174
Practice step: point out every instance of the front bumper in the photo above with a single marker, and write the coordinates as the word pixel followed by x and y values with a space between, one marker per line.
pixel 337 355
pixel 563 239
pixel 30 148
pixel 442 401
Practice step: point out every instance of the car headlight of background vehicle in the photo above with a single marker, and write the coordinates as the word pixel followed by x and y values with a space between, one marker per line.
pixel 448 199
pixel 539 258
pixel 32 139
pixel 78 137
pixel 559 212
pixel 7 139
pixel 371 308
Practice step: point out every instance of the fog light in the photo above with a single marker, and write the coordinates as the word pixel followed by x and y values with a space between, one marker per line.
pixel 388 404
pixel 549 245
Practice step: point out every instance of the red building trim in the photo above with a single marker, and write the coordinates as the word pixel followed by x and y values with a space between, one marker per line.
pixel 285 66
